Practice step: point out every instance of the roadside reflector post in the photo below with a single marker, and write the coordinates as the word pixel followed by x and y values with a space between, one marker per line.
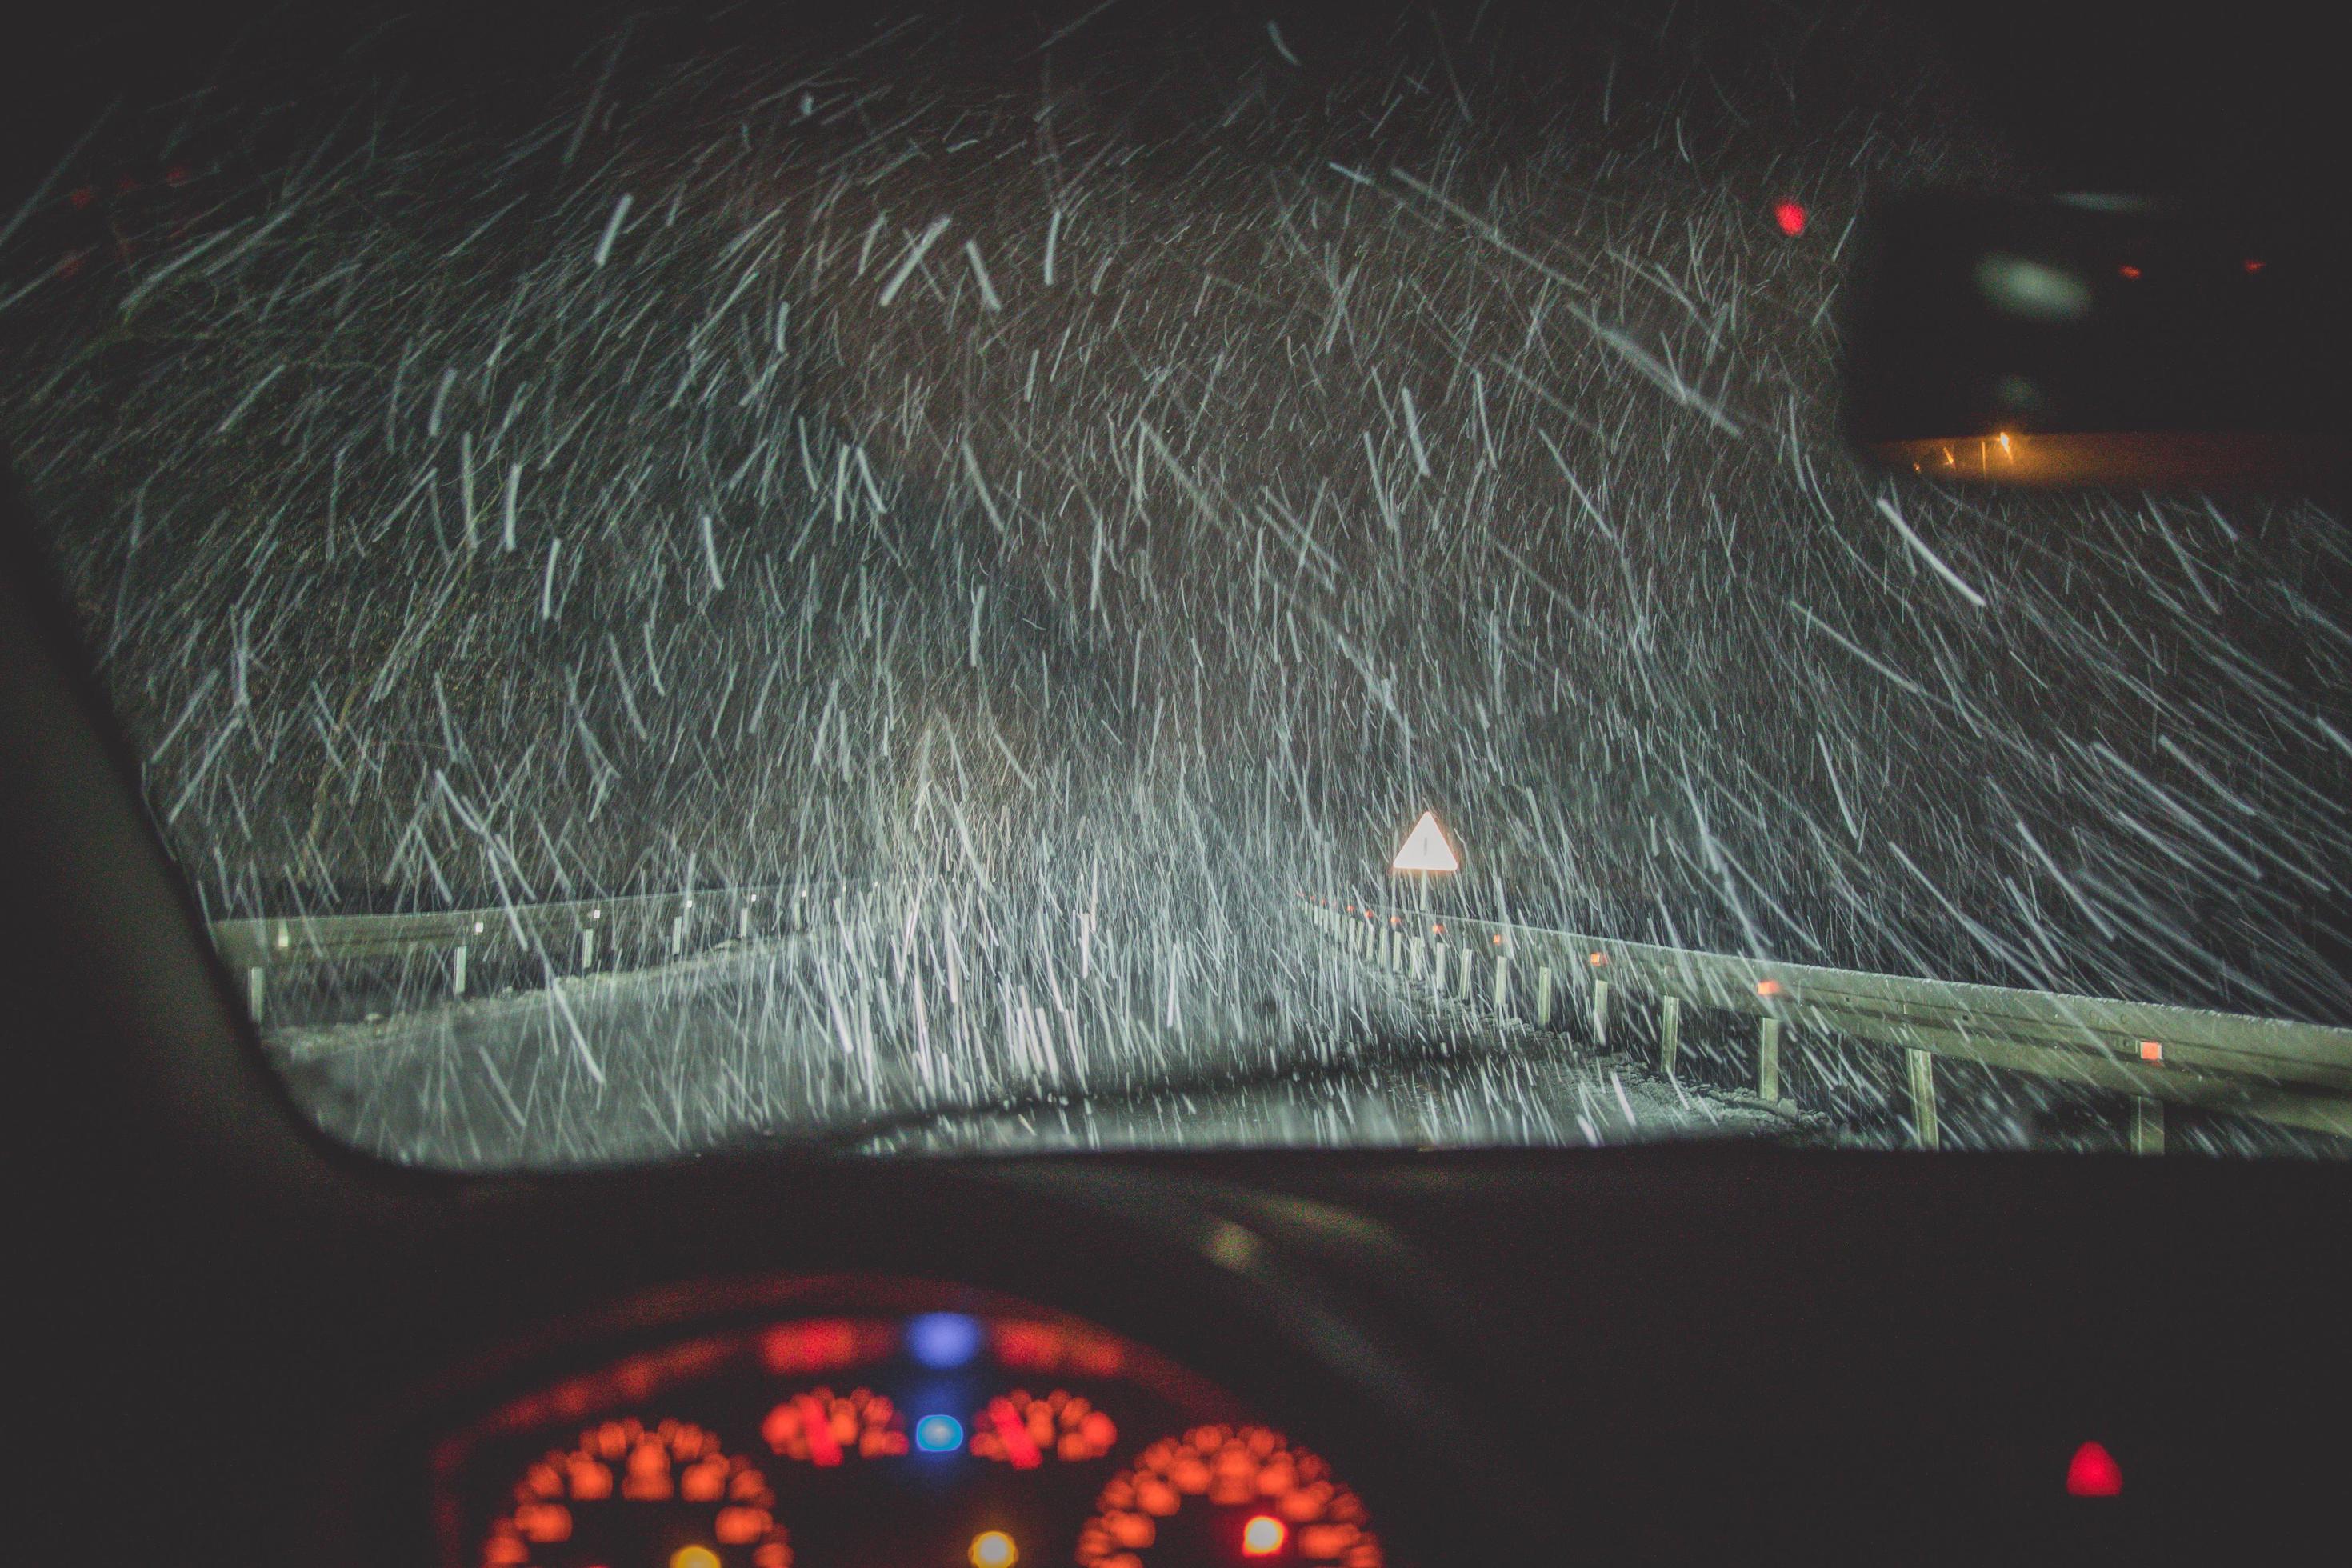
pixel 1502 982
pixel 1466 975
pixel 1767 1061
pixel 457 971
pixel 1544 983
pixel 1923 1099
pixel 256 990
pixel 588 947
pixel 743 923
pixel 677 936
pixel 1670 1033
pixel 2148 1127
pixel 1600 1014
pixel 1420 957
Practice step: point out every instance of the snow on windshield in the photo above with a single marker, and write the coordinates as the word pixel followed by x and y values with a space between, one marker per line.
pixel 1064 493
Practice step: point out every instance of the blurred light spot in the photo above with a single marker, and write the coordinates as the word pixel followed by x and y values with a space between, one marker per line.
pixel 2017 394
pixel 694 1557
pixel 2093 1472
pixel 1263 1536
pixel 943 1340
pixel 993 1549
pixel 2033 289
pixel 939 1434
pixel 1791 217
pixel 2127 270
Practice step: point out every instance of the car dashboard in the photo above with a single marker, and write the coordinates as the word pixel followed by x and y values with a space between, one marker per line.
pixel 886 1422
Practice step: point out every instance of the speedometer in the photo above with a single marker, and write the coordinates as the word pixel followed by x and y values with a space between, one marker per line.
pixel 1222 1494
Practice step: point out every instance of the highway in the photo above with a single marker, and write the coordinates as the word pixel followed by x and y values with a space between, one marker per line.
pixel 742 1016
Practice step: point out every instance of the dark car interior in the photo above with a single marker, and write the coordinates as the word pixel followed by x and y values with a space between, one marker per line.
pixel 242 1341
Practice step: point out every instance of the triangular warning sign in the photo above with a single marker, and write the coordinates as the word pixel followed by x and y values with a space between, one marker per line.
pixel 1426 849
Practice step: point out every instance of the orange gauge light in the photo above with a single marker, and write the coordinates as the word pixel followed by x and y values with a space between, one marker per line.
pixel 1200 1495
pixel 1024 1432
pixel 819 1345
pixel 628 1490
pixel 822 1428
pixel 1050 1350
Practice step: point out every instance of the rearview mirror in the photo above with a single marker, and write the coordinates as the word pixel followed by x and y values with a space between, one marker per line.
pixel 2088 339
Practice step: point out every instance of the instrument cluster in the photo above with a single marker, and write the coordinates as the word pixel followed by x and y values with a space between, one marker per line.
pixel 987 1438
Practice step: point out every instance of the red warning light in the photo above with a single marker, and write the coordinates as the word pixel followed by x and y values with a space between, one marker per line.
pixel 2127 270
pixel 1791 217
pixel 2093 1472
pixel 2253 264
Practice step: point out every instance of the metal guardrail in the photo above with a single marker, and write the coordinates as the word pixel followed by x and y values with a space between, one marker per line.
pixel 574 934
pixel 2291 1074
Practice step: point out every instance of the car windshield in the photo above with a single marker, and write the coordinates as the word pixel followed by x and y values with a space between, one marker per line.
pixel 1142 573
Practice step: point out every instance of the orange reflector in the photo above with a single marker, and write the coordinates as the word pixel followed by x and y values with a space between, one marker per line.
pixel 1396 919
pixel 1437 930
pixel 1767 988
pixel 2151 1051
pixel 2093 1472
pixel 1597 960
pixel 1497 939
pixel 1263 1536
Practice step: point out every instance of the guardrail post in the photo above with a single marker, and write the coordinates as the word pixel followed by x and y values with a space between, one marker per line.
pixel 256 990
pixel 1502 982
pixel 743 923
pixel 588 947
pixel 1670 1033
pixel 1767 1061
pixel 1923 1098
pixel 1601 1013
pixel 457 971
pixel 1544 983
pixel 1466 975
pixel 2148 1127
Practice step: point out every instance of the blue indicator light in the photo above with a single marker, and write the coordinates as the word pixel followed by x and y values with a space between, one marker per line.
pixel 939 1434
pixel 943 1340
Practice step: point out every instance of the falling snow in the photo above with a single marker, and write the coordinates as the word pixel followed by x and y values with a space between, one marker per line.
pixel 1064 495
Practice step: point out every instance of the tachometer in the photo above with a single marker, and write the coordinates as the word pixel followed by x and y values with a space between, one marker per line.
pixel 1227 1494
pixel 633 1496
